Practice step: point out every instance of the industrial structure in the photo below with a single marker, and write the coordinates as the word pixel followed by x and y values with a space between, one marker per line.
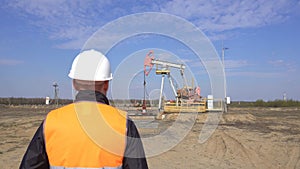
pixel 187 98
pixel 55 85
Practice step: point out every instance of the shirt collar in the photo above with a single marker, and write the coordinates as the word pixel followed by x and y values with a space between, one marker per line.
pixel 89 95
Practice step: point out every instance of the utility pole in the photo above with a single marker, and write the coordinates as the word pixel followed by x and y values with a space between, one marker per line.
pixel 223 61
pixel 225 86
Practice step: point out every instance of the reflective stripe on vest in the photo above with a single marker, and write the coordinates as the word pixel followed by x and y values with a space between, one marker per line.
pixel 85 135
pixel 54 167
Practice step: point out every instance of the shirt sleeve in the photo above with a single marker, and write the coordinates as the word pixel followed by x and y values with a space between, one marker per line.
pixel 134 157
pixel 36 156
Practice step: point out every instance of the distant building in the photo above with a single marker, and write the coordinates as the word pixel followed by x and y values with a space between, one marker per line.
pixel 284 97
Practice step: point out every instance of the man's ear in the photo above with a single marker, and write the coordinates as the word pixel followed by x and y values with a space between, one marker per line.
pixel 106 85
pixel 75 85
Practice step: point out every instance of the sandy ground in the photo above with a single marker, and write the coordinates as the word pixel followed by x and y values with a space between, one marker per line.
pixel 245 138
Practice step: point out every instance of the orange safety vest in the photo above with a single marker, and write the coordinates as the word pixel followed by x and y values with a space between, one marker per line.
pixel 85 135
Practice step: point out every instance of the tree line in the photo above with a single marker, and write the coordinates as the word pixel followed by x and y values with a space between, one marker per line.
pixel 138 102
pixel 42 101
pixel 262 103
pixel 31 101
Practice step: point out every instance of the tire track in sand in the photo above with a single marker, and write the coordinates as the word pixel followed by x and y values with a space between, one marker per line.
pixel 294 159
pixel 242 151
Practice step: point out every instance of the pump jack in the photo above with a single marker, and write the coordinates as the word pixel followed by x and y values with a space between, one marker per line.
pixel 187 99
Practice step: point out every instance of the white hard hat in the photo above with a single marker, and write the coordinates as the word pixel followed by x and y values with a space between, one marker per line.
pixel 91 65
